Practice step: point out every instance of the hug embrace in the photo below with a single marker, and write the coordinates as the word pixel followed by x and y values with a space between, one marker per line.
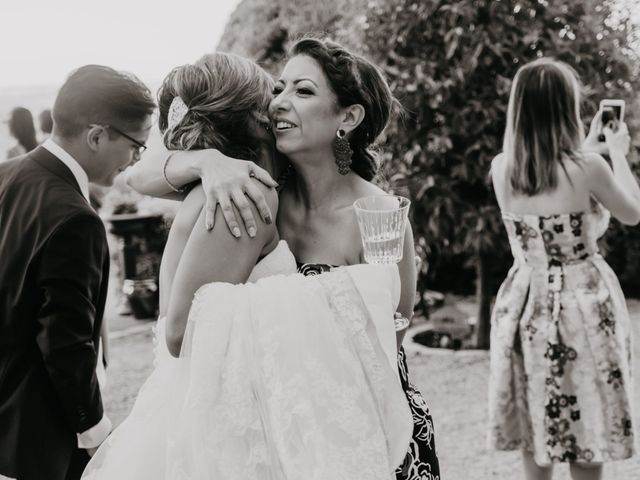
pixel 276 356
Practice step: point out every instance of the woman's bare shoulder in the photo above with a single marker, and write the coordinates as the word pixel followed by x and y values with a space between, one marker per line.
pixel 364 188
pixel 497 164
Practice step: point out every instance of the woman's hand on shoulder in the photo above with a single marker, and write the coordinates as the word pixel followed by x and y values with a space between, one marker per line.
pixel 196 201
pixel 228 181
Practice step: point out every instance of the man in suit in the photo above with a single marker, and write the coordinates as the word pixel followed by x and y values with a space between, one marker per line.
pixel 53 274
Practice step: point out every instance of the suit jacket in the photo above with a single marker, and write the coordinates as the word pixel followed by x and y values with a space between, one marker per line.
pixel 54 266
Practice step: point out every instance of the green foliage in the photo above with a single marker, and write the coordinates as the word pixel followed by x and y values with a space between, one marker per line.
pixel 262 30
pixel 451 63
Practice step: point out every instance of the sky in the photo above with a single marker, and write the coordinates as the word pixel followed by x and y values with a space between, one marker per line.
pixel 41 41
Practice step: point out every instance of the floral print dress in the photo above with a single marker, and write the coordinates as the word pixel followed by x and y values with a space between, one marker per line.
pixel 560 384
pixel 421 462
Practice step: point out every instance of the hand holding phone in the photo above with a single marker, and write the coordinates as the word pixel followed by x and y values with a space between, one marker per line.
pixel 618 141
pixel 611 114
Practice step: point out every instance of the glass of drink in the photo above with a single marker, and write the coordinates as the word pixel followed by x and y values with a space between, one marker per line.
pixel 382 220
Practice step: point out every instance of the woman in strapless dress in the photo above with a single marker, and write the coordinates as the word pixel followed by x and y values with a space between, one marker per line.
pixel 560 387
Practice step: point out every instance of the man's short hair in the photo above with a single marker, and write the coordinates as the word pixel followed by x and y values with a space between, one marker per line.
pixel 101 95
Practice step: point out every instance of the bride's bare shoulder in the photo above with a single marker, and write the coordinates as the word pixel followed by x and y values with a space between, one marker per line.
pixel 189 210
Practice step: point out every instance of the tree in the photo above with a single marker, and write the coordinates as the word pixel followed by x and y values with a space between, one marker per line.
pixel 263 30
pixel 451 63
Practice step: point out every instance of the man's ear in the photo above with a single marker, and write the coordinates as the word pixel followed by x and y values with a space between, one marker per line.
pixel 94 138
pixel 352 116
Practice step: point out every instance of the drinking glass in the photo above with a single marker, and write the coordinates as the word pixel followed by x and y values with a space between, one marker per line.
pixel 382 220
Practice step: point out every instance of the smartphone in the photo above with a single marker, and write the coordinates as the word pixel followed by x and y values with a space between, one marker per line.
pixel 612 110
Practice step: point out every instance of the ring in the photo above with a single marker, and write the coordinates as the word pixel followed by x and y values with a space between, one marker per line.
pixel 251 174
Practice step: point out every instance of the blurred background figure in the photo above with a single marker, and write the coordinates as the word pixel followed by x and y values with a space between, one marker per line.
pixel 46 124
pixel 22 129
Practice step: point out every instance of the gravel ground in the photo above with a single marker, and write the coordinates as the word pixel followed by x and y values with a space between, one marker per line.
pixel 453 383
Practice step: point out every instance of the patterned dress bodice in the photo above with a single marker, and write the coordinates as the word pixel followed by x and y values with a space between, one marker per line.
pixel 310 269
pixel 560 344
pixel 554 240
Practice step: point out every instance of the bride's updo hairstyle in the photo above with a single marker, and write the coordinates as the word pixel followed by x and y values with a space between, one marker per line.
pixel 226 97
pixel 354 80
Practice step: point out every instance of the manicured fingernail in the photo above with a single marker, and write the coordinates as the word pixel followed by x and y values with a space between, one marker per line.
pixel 209 225
pixel 268 219
pixel 252 232
pixel 236 232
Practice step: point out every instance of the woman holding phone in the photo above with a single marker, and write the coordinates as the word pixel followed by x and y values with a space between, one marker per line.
pixel 560 338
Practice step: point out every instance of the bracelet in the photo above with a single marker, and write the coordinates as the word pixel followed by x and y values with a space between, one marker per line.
pixel 166 179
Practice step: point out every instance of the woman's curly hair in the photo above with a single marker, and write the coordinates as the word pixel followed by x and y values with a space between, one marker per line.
pixel 354 80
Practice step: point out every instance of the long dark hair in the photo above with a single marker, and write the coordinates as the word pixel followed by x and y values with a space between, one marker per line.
pixel 22 129
pixel 354 80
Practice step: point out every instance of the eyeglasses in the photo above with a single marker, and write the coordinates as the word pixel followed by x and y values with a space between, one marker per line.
pixel 141 146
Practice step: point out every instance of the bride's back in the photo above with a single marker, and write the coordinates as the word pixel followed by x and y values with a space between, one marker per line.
pixel 216 102
pixel 181 228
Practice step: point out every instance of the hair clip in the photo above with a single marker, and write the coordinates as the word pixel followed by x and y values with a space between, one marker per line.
pixel 177 111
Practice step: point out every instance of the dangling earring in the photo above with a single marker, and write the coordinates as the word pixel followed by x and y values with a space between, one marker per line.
pixel 342 152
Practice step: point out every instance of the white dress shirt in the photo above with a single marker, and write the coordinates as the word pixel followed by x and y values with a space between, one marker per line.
pixel 98 433
pixel 78 172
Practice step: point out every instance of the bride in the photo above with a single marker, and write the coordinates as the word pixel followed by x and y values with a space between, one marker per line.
pixel 277 375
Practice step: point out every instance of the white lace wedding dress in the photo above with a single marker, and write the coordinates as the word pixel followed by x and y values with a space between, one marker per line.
pixel 285 377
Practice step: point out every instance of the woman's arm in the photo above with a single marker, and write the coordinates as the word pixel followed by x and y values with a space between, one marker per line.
pixel 227 181
pixel 617 190
pixel 212 257
pixel 408 278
